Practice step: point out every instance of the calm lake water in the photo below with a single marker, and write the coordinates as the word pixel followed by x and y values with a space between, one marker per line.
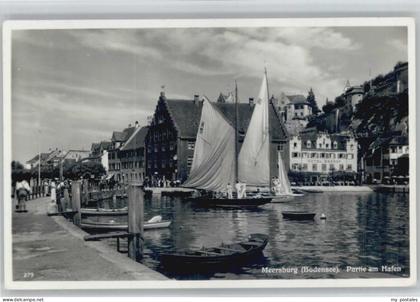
pixel 361 229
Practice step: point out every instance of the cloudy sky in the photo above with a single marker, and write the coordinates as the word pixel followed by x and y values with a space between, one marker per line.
pixel 74 87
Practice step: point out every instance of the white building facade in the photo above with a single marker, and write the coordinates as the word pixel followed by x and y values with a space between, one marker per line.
pixel 322 153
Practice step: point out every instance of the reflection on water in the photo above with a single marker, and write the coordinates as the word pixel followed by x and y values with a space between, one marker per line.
pixel 361 229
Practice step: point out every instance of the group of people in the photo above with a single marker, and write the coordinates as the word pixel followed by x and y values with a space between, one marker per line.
pixel 240 189
pixel 163 182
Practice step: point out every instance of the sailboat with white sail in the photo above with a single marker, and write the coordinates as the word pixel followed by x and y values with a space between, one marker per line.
pixel 216 162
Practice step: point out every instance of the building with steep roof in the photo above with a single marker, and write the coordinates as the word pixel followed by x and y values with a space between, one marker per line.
pixel 317 155
pixel 171 138
pixel 383 160
pixel 118 139
pixel 132 157
pixel 298 108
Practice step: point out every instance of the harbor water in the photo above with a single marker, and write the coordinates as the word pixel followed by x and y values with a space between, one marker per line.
pixel 360 230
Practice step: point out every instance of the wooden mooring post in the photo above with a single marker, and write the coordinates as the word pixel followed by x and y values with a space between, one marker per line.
pixel 75 202
pixel 135 222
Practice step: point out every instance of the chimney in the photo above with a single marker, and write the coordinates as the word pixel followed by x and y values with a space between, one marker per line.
pixel 136 124
pixel 251 101
pixel 162 94
pixel 196 98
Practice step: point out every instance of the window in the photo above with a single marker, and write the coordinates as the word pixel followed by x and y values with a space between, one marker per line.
pixel 332 168
pixel 349 167
pixel 295 167
pixel 295 154
pixel 295 145
pixel 280 147
pixel 335 145
pixel 350 156
pixel 305 167
pixel 324 167
pixel 314 167
pixel 320 146
pixel 191 145
pixel 327 146
pixel 308 144
pixel 163 148
pixel 171 146
pixel 322 155
pixel 313 155
pixel 341 155
pixel 189 161
pixel 341 167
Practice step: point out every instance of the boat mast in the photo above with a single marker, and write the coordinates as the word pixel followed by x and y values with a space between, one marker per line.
pixel 269 131
pixel 236 133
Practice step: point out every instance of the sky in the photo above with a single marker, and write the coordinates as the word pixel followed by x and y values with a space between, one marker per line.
pixel 71 88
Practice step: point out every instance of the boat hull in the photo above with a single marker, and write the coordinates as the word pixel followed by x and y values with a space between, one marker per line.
pixel 298 215
pixel 103 212
pixel 181 261
pixel 105 227
pixel 230 203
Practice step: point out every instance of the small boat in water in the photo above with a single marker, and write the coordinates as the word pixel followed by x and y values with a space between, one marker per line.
pixel 225 254
pixel 298 215
pixel 103 212
pixel 153 223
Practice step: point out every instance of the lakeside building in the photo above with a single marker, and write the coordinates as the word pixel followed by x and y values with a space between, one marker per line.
pixel 170 141
pixel 315 157
pixel 117 141
pixel 132 157
pixel 386 159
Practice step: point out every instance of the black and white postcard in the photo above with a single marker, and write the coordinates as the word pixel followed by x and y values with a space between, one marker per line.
pixel 209 153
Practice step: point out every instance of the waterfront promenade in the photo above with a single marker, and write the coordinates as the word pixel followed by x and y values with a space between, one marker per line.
pixel 52 249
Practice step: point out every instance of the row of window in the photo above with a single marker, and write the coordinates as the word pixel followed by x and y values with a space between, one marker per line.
pixel 399 149
pixel 322 155
pixel 162 135
pixel 132 164
pixel 323 145
pixel 163 148
pixel 331 167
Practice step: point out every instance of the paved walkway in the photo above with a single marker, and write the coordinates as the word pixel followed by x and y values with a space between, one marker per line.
pixel 52 248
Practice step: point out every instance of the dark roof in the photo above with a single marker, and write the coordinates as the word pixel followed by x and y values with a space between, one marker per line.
pixel 122 136
pixel 186 115
pixel 340 139
pixel 136 140
pixel 297 99
pixel 399 140
pixel 44 156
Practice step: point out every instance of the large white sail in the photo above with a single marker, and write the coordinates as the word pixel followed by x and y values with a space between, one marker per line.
pixel 254 157
pixel 283 184
pixel 213 165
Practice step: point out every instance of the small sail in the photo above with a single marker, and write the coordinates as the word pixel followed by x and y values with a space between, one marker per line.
pixel 253 161
pixel 213 165
pixel 283 184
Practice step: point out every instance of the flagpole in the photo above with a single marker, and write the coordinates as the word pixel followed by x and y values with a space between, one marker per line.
pixel 236 133
pixel 269 131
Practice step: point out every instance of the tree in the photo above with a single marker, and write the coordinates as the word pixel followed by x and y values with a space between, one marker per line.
pixel 312 101
pixel 328 107
pixel 84 169
pixel 340 101
pixel 16 165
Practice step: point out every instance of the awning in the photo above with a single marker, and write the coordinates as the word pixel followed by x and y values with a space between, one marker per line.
pixel 110 176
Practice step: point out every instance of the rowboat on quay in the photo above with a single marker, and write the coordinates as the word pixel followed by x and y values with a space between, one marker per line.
pixel 226 254
pixel 104 212
pixel 116 226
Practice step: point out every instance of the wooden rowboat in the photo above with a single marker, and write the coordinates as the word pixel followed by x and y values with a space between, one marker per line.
pixel 103 212
pixel 297 215
pixel 225 254
pixel 112 226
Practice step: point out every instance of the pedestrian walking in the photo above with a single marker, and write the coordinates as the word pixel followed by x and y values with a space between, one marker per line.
pixel 22 191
